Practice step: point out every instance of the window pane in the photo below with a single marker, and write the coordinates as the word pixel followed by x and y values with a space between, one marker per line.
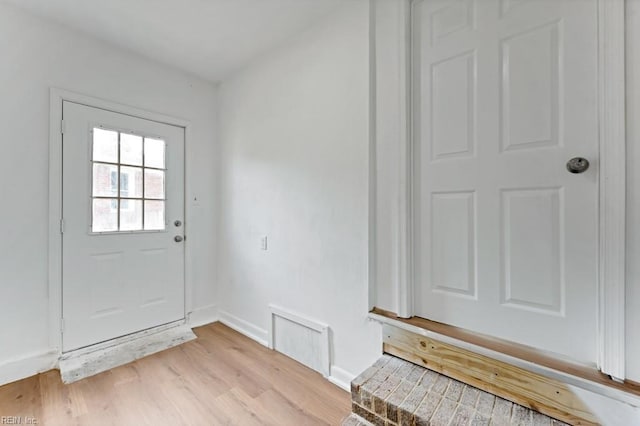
pixel 130 182
pixel 130 149
pixel 130 215
pixel 105 180
pixel 154 153
pixel 154 184
pixel 154 215
pixel 105 145
pixel 105 215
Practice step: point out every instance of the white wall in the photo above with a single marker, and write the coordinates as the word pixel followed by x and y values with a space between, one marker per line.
pixel 34 56
pixel 294 167
pixel 633 190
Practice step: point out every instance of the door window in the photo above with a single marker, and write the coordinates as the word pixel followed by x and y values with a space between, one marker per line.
pixel 128 182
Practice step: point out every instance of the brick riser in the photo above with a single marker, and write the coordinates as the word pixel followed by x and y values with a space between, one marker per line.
pixel 394 392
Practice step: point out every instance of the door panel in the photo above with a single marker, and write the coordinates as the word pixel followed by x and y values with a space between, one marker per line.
pixel 532 229
pixel 530 88
pixel 123 187
pixel 505 94
pixel 453 246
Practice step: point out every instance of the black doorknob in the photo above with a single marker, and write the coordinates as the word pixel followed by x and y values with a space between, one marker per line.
pixel 577 165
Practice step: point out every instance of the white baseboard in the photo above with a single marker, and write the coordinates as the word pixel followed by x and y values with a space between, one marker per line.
pixel 203 316
pixel 241 326
pixel 27 366
pixel 341 378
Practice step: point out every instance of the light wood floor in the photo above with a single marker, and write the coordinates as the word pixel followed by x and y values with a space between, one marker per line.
pixel 222 378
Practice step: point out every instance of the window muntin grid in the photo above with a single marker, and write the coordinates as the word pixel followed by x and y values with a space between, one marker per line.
pixel 128 185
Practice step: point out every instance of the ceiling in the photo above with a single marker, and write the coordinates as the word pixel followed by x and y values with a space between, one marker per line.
pixel 209 38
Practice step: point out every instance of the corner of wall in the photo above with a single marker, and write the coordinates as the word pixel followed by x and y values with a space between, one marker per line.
pixel 341 378
pixel 203 316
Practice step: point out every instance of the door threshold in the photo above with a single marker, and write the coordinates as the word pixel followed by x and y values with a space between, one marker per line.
pixel 120 340
pixel 86 362
pixel 522 356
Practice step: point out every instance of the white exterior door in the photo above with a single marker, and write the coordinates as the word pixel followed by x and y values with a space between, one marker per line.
pixel 123 184
pixel 507 237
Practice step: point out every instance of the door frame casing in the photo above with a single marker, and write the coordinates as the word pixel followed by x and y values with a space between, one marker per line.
pixel 612 187
pixel 611 183
pixel 56 100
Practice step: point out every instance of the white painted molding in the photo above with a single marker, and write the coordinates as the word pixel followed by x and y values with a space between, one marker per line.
pixel 612 250
pixel 203 316
pixel 373 175
pixel 341 378
pixel 392 39
pixel 310 323
pixel 299 318
pixel 391 133
pixel 54 288
pixel 56 99
pixel 27 366
pixel 404 252
pixel 244 327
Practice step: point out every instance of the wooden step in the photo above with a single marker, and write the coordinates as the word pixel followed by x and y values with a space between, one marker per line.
pixel 589 375
pixel 556 387
pixel 397 392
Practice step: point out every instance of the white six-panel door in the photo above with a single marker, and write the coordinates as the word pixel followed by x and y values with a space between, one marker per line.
pixel 123 190
pixel 505 94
